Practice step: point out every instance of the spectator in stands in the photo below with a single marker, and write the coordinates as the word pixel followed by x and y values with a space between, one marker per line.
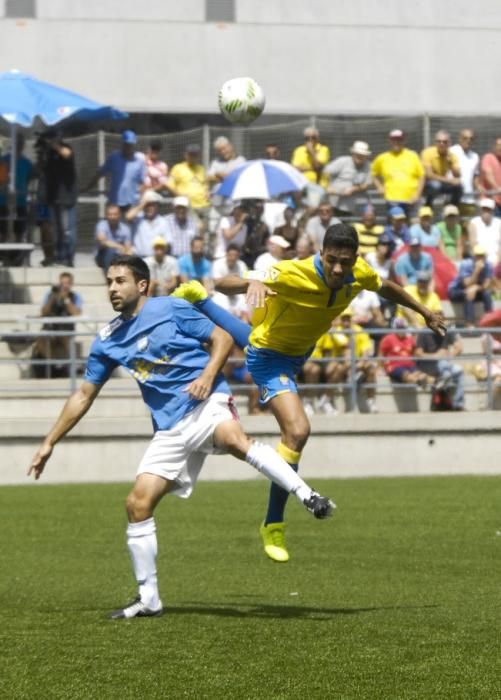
pixel 277 247
pixel 397 227
pixel 189 179
pixel 257 233
pixel 381 261
pixel 469 165
pixel 399 348
pixel 422 292
pixel 473 284
pixel 232 229
pixel 288 230
pixel 225 162
pixel 443 174
pixel 368 231
pixel 414 261
pixel 304 248
pixel 349 178
pixel 126 170
pixel 324 367
pixel 24 173
pixel 147 224
pixel 451 234
pixel 318 225
pixel 156 169
pixel 311 158
pixel 42 208
pixel 436 356
pixel 113 237
pixel 61 301
pixel 425 229
pixel 182 228
pixel 164 270
pixel 194 265
pixel 490 366
pixel 490 175
pixel 272 152
pixel 485 230
pixel 230 264
pixel 366 311
pixel 399 174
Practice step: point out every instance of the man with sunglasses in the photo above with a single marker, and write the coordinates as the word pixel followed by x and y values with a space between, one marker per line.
pixel 443 173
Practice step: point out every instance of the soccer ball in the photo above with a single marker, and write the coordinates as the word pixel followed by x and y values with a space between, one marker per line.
pixel 241 100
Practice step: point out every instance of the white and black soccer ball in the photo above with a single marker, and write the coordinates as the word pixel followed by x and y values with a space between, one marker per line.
pixel 241 100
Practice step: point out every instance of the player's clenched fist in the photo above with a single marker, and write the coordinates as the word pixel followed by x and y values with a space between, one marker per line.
pixel 39 460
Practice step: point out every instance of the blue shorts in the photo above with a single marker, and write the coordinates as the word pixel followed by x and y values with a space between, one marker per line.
pixel 239 373
pixel 273 372
pixel 397 375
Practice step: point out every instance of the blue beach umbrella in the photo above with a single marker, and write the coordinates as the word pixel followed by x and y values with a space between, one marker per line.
pixel 261 179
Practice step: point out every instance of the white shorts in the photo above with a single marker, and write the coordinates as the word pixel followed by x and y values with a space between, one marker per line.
pixel 178 454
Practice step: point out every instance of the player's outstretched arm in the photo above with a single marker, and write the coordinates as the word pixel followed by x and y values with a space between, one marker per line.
pixel 255 291
pixel 75 408
pixel 220 345
pixel 394 292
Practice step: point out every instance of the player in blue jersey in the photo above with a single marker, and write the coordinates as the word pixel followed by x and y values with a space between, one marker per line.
pixel 161 342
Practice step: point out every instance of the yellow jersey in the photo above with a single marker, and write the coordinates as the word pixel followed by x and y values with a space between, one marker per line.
pixel 440 165
pixel 400 173
pixel 431 300
pixel 191 181
pixel 304 307
pixel 302 159
pixel 335 343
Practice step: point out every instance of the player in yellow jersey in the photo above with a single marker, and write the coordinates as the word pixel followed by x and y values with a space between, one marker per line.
pixel 295 303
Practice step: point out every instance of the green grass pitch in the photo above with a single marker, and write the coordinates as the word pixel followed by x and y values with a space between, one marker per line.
pixel 398 596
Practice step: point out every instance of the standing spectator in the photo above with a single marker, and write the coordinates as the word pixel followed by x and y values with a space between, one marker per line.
pixel 349 177
pixel 425 229
pixel 469 165
pixel 288 230
pixel 257 232
pixel 24 173
pixel 232 229
pixel 410 263
pixel 436 356
pixel 42 208
pixel 421 291
pixel 380 260
pixel 272 152
pixel 230 264
pixel 182 228
pixel 490 175
pixel 473 283
pixel 126 169
pixel 397 227
pixel 156 169
pixel 399 174
pixel 277 247
pixel 399 348
pixel 225 162
pixel 164 270
pixel 368 231
pixel 194 266
pixel 310 159
pixel 304 248
pixel 147 223
pixel 318 225
pixel 443 174
pixel 189 179
pixel 112 237
pixel 485 230
pixel 451 234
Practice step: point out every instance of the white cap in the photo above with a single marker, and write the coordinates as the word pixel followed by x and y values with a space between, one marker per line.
pixel 279 240
pixel 150 196
pixel 181 201
pixel 360 148
pixel 487 203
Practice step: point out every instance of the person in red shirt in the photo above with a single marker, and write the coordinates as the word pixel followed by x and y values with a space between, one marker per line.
pixel 490 175
pixel 399 348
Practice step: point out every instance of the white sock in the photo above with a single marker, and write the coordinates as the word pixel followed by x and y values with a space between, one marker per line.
pixel 142 544
pixel 264 458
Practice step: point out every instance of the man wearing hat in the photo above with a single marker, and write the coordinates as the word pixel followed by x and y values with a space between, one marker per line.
pixel 443 175
pixel 164 270
pixel 147 224
pixel 189 179
pixel 473 283
pixel 412 262
pixel 422 293
pixel 397 227
pixel 399 347
pixel 182 227
pixel 451 233
pixel 485 230
pixel 277 245
pixel 349 178
pixel 398 173
pixel 425 229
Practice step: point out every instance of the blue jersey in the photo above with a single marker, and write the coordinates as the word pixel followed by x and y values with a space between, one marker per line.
pixel 162 348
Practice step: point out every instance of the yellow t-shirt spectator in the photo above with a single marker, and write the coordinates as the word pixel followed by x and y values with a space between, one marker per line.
pixel 301 159
pixel 335 344
pixel 440 165
pixel 190 181
pixel 430 299
pixel 400 173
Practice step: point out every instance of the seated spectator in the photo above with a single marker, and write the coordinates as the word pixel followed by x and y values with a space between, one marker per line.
pixel 194 266
pixel 318 225
pixel 276 252
pixel 451 234
pixel 490 175
pixel 60 302
pixel 288 230
pixel 399 348
pixel 24 172
pixel 230 264
pixel 257 233
pixel 182 228
pixel 323 367
pixel 189 179
pixel 225 162
pixel 426 230
pixel 398 174
pixel 147 224
pixel 409 264
pixel 436 359
pixel 485 230
pixel 381 261
pixel 164 270
pixel 473 283
pixel 485 368
pixel 311 159
pixel 397 228
pixel 365 309
pixel 272 152
pixel 304 248
pixel 156 169
pixel 112 237
pixel 421 292
pixel 232 229
pixel 368 231
pixel 349 178
pixel 469 165
pixel 443 175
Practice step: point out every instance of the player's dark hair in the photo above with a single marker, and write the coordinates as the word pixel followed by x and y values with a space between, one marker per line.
pixel 136 265
pixel 341 236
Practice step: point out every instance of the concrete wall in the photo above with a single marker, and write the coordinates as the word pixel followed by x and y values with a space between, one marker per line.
pixel 322 57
